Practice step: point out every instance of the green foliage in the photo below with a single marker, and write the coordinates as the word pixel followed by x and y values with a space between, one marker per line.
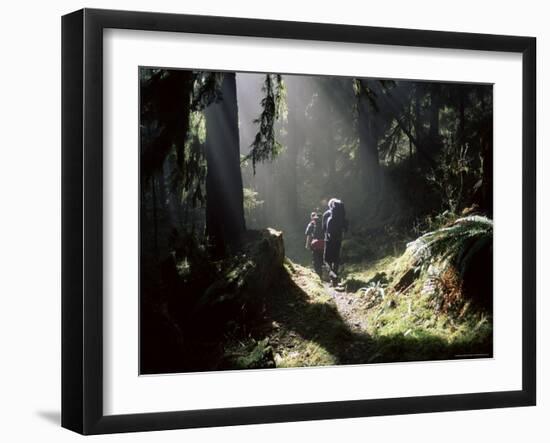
pixel 197 126
pixel 250 354
pixel 408 324
pixel 395 145
pixel 206 89
pixel 361 275
pixel 433 222
pixel 189 176
pixel 173 129
pixel 451 174
pixel 265 145
pixel 408 328
pixel 164 116
pixel 250 200
pixel 397 327
pixel 363 90
pixel 371 90
pixel 456 244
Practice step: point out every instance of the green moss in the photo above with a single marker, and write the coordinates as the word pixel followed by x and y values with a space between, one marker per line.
pixel 407 324
pixel 250 355
pixel 307 328
pixel 362 275
pixel 412 330
pixel 303 354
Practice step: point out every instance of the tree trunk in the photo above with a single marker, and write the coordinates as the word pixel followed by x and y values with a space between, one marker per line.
pixel 487 158
pixel 225 223
pixel 435 141
pixel 461 116
pixel 331 152
pixel 419 139
pixel 295 140
pixel 419 133
pixel 368 154
pixel 435 104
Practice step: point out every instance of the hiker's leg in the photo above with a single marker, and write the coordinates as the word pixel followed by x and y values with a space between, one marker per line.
pixel 314 260
pixel 332 274
pixel 338 247
pixel 326 255
pixel 318 262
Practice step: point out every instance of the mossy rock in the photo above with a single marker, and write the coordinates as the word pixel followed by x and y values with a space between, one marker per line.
pixel 353 284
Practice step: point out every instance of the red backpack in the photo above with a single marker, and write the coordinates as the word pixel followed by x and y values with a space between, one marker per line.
pixel 317 244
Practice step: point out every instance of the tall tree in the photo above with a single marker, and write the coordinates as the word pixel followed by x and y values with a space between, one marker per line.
pixel 164 122
pixel 367 111
pixel 436 101
pixel 296 88
pixel 165 108
pixel 485 135
pixel 293 147
pixel 225 222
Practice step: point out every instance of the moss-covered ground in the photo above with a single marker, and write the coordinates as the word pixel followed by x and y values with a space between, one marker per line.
pixel 375 316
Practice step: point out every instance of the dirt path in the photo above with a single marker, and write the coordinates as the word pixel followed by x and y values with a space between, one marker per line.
pixel 347 304
pixel 351 308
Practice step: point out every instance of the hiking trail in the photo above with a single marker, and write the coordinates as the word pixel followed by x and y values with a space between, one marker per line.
pixel 347 304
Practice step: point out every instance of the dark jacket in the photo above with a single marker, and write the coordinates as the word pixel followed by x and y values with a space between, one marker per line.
pixel 314 229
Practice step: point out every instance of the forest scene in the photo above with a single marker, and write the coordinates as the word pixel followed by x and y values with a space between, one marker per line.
pixel 301 220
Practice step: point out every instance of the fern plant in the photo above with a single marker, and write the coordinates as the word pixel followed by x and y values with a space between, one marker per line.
pixel 457 244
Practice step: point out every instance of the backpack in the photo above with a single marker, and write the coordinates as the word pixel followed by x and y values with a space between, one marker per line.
pixel 336 222
pixel 317 230
pixel 317 245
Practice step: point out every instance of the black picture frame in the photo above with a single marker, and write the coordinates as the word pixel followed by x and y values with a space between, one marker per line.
pixel 82 218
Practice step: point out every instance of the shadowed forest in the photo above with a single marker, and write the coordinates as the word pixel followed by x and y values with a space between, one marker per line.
pixel 249 260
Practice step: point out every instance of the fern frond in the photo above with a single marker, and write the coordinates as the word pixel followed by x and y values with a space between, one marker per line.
pixel 456 244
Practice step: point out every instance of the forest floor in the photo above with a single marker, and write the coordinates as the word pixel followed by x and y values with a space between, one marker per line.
pixel 310 323
pixel 262 310
pixel 346 303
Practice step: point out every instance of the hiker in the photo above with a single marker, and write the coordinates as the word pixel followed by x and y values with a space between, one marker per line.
pixel 334 225
pixel 315 242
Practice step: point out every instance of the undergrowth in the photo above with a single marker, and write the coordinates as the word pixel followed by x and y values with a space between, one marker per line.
pixel 411 306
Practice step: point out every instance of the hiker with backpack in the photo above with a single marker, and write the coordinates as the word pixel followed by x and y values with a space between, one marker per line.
pixel 334 225
pixel 315 242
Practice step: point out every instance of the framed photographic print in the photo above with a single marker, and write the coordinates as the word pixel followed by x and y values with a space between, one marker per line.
pixel 269 221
